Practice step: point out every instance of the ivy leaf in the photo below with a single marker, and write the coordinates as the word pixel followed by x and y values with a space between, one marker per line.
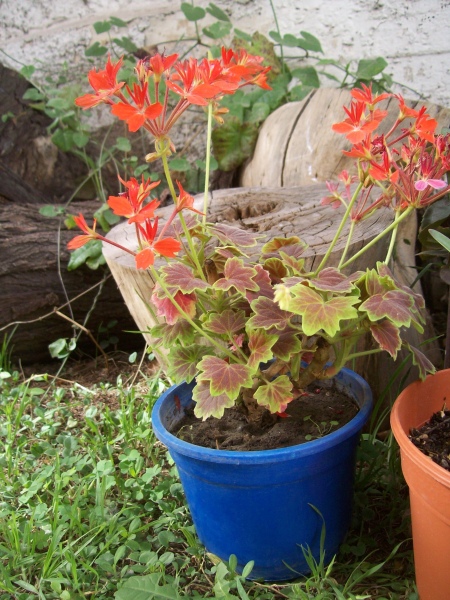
pixel 92 250
pixel 237 275
pixel 192 13
pixel 268 314
pixel 318 313
pixel 387 336
pixel 217 12
pixel 102 26
pixel 309 42
pixel 180 164
pixel 276 394
pixel 332 280
pixel 308 76
pixel 226 323
pixel 126 43
pixel 218 30
pixel 208 405
pixel 369 67
pixel 224 378
pixel 421 361
pixel 230 235
pixel 234 142
pixel 96 50
pixel 182 278
pixel 184 362
pixel 260 343
pixel 396 305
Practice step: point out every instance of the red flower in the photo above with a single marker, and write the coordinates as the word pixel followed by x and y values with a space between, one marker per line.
pixel 185 201
pixel 104 83
pixel 89 234
pixel 130 203
pixel 424 126
pixel 166 247
pixel 155 65
pixel 358 124
pixel 136 116
pixel 365 95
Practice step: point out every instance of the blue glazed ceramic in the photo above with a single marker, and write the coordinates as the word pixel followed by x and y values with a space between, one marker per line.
pixel 259 505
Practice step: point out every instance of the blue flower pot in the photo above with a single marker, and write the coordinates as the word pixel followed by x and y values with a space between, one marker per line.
pixel 259 505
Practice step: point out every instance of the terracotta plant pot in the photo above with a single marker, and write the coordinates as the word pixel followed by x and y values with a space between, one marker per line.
pixel 429 485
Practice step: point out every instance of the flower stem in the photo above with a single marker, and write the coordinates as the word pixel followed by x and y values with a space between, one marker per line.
pixel 208 163
pixel 339 230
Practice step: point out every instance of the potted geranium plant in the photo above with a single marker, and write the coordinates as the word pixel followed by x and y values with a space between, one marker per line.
pixel 250 332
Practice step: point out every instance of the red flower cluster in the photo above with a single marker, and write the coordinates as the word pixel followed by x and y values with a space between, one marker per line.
pixel 407 165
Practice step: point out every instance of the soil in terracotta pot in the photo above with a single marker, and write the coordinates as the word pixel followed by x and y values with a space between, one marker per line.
pixel 320 411
pixel 433 438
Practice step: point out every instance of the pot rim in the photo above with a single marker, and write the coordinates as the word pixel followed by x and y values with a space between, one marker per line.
pixel 330 440
pixel 401 434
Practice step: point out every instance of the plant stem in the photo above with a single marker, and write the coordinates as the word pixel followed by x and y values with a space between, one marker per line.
pixel 208 163
pixel 376 239
pixel 347 244
pixel 392 242
pixel 339 230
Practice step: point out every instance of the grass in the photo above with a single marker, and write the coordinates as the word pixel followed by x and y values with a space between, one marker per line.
pixel 91 507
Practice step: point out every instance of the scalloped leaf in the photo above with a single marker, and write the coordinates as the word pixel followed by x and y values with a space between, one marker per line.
pixel 276 394
pixel 224 378
pixel 396 305
pixel 184 362
pixel 226 323
pixel 208 405
pixel 387 336
pixel 168 335
pixel 320 314
pixel 181 277
pixel 233 236
pixel 421 361
pixel 262 279
pixel 276 269
pixel 260 343
pixel 333 280
pixel 237 275
pixel 297 264
pixel 287 344
pixel 268 314
pixel 274 245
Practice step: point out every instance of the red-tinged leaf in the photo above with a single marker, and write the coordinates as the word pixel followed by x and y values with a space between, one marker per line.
pixel 320 314
pixel 296 264
pixel 332 280
pixel 264 283
pixel 227 323
pixel 168 335
pixel 145 258
pixel 268 314
pixel 207 405
pixel 276 394
pixel 238 276
pixel 183 362
pixel 387 336
pixel 260 344
pixel 181 277
pixel 287 344
pixel 393 304
pixel 292 246
pixel 377 284
pixel 421 361
pixel 224 378
pixel 276 269
pixel 166 309
pixel 234 236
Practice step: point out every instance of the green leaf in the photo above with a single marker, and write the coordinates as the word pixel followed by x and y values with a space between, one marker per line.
pixel 50 210
pixel 310 42
pixel 242 35
pixel 92 250
pixel 147 588
pixel 225 378
pixel 123 144
pixel 217 30
pixel 80 139
pixel 33 94
pixel 368 68
pixel 259 112
pixel 117 22
pixel 308 76
pixel 184 362
pixel 62 348
pixel 276 394
pixel 180 332
pixel 27 71
pixel 213 164
pixel 63 139
pixel 180 164
pixel 102 26
pixel 207 405
pixel 192 13
pixel 298 92
pixel 442 239
pixel 96 50
pixel 234 142
pixel 126 43
pixel 217 12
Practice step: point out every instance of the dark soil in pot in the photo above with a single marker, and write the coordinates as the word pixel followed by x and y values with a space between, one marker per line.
pixel 321 410
pixel 433 438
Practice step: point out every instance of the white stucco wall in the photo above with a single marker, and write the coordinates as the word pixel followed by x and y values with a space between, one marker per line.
pixel 413 35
